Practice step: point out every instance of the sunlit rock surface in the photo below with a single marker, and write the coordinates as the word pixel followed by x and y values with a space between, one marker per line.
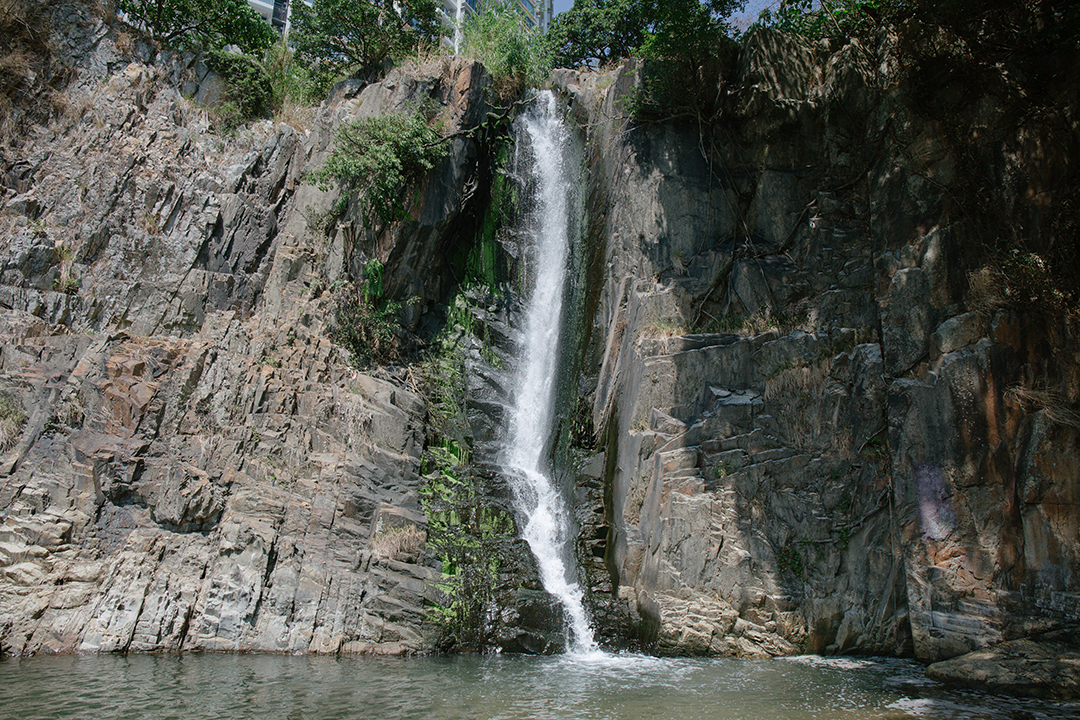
pixel 199 467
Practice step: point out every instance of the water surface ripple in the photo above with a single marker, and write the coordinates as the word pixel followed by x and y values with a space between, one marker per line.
pixel 564 687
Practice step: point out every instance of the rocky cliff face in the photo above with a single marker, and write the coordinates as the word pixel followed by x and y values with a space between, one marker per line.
pixel 820 425
pixel 821 430
pixel 190 462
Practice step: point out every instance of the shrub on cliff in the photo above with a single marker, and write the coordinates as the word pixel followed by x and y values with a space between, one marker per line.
pixel 377 157
pixel 366 323
pixel 209 23
pixel 248 84
pixel 338 37
pixel 516 56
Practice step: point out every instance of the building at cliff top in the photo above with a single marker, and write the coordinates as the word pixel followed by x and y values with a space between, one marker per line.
pixel 275 12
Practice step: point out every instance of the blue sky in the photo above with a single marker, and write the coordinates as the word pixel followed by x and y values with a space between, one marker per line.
pixel 753 7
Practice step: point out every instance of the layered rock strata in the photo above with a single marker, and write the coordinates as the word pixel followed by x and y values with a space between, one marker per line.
pixel 821 430
pixel 194 465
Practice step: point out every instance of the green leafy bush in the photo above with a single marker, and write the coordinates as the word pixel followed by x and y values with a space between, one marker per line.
pixel 469 537
pixel 516 56
pixel 789 560
pixel 248 84
pixel 378 156
pixel 208 23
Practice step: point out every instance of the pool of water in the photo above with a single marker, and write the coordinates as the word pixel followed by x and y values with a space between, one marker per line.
pixel 619 687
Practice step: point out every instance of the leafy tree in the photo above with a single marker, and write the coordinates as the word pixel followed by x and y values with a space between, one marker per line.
pixel 833 17
pixel 342 36
pixel 516 56
pixel 211 23
pixel 688 30
pixel 595 32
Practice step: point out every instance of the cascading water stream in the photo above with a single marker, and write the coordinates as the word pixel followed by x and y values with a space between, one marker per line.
pixel 459 18
pixel 530 419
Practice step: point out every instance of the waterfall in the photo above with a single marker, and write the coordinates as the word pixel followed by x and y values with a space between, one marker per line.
pixel 548 530
pixel 459 17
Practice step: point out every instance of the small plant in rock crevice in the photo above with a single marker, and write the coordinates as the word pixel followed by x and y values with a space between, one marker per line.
pixel 788 560
pixel 844 536
pixel 723 469
pixel 67 285
pixel 365 323
pixel 876 447
pixel 466 534
pixel 666 328
pixel 844 504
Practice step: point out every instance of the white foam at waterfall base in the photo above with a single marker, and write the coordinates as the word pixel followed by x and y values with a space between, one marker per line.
pixel 547 529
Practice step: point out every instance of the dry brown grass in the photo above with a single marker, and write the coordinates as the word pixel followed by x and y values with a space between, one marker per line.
pixel 398 543
pixel 803 380
pixel 125 43
pixel 636 502
pixel 986 291
pixel 296 115
pixel 28 66
pixel 760 322
pixel 430 62
pixel 12 419
pixel 17 64
pixel 1057 409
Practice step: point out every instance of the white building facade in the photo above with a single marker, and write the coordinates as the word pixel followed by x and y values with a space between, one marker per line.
pixel 275 12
